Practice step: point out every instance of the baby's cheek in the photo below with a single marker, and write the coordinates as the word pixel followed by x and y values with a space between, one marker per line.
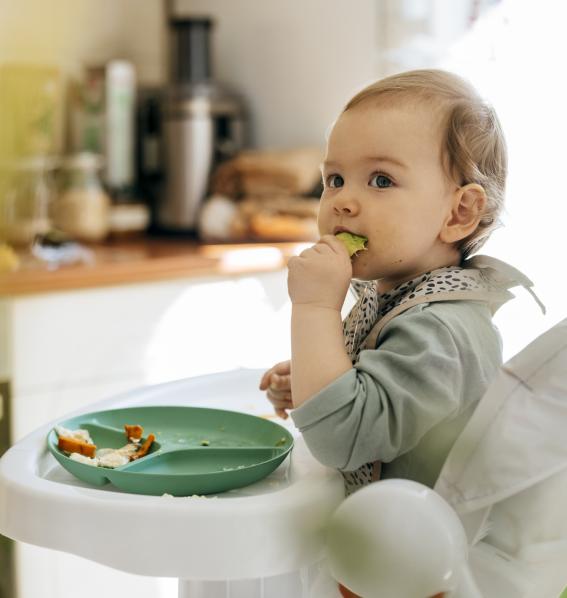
pixel 322 221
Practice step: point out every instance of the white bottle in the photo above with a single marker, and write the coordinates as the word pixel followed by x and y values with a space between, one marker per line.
pixel 120 97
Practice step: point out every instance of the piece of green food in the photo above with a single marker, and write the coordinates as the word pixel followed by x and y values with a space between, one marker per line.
pixel 353 243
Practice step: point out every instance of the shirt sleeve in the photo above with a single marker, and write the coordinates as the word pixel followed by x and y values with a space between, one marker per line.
pixel 390 399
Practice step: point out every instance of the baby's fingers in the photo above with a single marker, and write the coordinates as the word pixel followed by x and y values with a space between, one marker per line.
pixel 280 401
pixel 265 380
pixel 282 368
pixel 280 383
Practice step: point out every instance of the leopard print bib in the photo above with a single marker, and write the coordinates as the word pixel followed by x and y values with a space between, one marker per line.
pixel 481 278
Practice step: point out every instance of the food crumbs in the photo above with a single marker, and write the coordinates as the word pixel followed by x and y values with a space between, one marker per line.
pixel 205 443
pixel 281 441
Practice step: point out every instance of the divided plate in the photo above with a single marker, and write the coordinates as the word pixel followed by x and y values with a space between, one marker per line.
pixel 196 451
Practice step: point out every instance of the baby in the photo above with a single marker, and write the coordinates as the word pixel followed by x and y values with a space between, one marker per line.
pixel 416 163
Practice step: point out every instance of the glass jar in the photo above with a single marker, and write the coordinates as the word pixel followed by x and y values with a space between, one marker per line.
pixel 83 206
pixel 29 191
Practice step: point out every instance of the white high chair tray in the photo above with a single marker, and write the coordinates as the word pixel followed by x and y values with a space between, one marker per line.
pixel 268 528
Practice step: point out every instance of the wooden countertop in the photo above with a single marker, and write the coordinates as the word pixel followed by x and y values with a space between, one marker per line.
pixel 124 262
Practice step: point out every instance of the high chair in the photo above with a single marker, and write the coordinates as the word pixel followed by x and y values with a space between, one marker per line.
pixel 264 540
pixel 495 524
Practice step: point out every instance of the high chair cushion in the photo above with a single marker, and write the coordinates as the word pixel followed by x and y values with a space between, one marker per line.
pixel 506 475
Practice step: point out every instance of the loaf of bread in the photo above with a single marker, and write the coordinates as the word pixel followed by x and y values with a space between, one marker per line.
pixel 265 173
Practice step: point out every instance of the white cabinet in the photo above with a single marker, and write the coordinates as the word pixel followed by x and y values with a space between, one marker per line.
pixel 64 350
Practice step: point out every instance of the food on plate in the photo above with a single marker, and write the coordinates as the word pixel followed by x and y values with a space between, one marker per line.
pixel 73 445
pixel 353 243
pixel 134 432
pixel 82 435
pixel 78 445
pixel 144 448
pixel 84 460
pixel 112 458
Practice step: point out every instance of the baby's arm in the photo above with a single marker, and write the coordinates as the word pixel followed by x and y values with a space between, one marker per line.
pixel 397 393
pixel 318 282
pixel 318 354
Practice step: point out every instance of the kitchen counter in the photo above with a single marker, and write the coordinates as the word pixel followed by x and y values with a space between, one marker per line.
pixel 146 260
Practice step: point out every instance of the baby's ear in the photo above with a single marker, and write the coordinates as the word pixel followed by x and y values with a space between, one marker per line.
pixel 467 208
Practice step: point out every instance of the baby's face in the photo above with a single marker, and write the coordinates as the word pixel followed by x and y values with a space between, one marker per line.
pixel 384 179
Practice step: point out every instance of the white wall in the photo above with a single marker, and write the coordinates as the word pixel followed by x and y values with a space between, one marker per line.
pixel 296 62
pixel 71 32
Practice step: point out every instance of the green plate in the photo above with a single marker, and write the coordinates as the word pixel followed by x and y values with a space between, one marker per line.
pixel 197 450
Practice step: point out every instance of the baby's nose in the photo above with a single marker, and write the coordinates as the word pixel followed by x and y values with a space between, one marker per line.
pixel 346 207
pixel 343 209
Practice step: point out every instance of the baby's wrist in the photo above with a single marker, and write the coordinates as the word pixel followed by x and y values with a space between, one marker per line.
pixel 323 308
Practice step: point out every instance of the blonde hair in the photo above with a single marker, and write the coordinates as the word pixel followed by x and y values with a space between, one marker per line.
pixel 473 144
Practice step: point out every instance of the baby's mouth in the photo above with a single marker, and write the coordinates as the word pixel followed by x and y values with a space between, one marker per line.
pixel 354 243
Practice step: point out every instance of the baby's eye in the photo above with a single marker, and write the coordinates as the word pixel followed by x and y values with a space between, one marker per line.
pixel 381 181
pixel 334 181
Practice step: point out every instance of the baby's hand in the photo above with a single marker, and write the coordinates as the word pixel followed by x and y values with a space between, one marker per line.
pixel 277 382
pixel 320 276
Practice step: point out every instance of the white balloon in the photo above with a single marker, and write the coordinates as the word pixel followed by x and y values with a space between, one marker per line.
pixel 397 538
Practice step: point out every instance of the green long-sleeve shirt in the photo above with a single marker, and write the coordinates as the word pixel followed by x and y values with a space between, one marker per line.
pixel 405 402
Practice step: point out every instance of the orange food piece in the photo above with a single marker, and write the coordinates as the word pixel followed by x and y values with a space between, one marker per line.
pixel 144 448
pixel 133 432
pixel 72 445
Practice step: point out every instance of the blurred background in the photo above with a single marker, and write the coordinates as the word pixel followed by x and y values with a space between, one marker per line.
pixel 159 164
